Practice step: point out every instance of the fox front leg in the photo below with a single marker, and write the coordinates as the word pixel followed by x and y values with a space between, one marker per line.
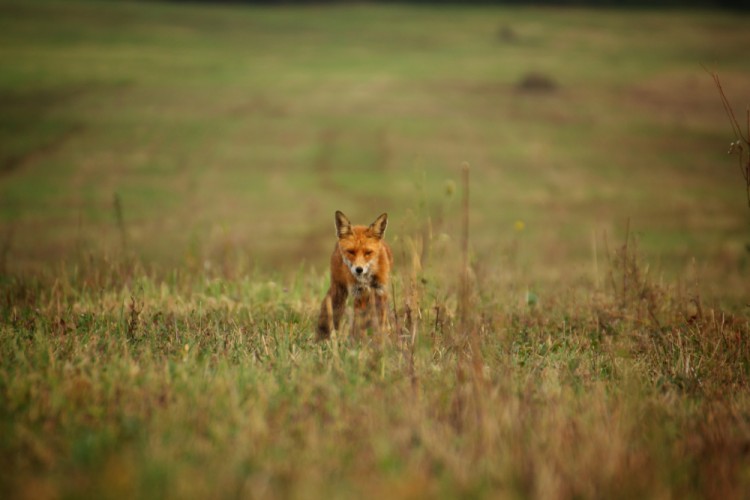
pixel 331 311
pixel 381 307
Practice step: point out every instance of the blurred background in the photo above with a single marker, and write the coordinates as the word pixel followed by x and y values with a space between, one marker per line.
pixel 221 138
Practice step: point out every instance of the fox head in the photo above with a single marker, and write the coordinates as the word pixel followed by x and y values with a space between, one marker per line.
pixel 360 246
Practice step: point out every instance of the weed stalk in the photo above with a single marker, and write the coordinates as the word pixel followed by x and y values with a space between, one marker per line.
pixel 741 145
pixel 120 221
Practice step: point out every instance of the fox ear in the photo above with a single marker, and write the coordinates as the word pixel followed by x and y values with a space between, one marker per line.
pixel 343 226
pixel 377 228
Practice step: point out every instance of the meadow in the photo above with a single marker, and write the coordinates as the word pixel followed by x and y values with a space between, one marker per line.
pixel 573 321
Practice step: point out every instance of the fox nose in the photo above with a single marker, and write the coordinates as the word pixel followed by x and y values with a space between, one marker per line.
pixel 359 270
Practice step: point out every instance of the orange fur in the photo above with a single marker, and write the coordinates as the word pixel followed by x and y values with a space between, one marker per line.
pixel 360 266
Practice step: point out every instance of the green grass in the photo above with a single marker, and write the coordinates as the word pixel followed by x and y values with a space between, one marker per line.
pixel 118 384
pixel 168 177
pixel 255 118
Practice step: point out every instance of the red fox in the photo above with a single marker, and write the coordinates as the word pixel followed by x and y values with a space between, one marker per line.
pixel 361 266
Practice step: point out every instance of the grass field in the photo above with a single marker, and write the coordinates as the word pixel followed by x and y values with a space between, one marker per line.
pixel 168 178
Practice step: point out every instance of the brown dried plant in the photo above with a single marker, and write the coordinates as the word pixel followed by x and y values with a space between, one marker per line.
pixel 741 145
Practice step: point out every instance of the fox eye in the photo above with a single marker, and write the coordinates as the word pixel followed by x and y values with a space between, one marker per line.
pixel 351 252
pixel 368 253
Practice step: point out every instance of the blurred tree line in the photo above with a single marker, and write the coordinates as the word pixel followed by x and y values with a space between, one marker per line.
pixel 731 4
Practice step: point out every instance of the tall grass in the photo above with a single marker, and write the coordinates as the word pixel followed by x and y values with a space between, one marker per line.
pixel 116 381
